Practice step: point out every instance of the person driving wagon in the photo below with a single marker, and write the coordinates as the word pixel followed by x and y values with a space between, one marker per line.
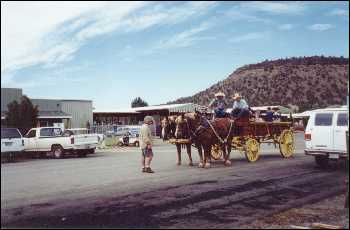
pixel 218 104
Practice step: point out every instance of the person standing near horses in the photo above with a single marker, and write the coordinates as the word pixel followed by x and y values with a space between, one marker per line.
pixel 240 107
pixel 218 105
pixel 146 142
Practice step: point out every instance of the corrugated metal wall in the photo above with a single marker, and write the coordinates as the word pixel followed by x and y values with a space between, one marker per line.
pixel 81 112
pixel 47 104
pixel 8 95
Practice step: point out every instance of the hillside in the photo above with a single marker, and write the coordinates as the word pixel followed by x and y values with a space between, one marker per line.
pixel 308 82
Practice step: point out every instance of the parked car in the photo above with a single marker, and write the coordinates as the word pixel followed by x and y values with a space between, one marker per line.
pixel 54 142
pixel 129 139
pixel 120 130
pixel 325 135
pixel 12 143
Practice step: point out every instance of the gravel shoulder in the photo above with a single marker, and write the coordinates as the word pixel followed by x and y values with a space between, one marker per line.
pixel 328 211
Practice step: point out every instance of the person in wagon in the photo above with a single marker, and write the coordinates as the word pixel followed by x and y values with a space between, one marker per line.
pixel 269 115
pixel 218 104
pixel 240 107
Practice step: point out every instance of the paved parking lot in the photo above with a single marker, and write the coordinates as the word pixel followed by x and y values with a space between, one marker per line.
pixel 48 192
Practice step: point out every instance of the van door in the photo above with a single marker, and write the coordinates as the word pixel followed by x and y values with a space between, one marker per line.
pixel 340 131
pixel 322 132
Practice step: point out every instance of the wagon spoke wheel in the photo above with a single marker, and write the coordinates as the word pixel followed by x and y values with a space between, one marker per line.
pixel 216 152
pixel 252 149
pixel 286 143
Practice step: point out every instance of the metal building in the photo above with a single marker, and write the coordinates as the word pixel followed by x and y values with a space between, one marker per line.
pixel 9 95
pixel 73 113
pixel 81 111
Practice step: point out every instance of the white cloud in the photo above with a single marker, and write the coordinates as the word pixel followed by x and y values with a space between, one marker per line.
pixel 290 8
pixel 249 37
pixel 28 31
pixel 48 33
pixel 339 12
pixel 286 27
pixel 183 39
pixel 236 14
pixel 320 27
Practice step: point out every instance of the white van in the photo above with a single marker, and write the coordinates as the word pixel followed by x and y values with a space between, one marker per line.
pixel 325 134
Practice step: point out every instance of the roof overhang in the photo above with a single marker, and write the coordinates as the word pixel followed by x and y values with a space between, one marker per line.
pixel 54 117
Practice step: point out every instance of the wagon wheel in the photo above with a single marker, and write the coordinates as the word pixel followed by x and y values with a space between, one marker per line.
pixel 236 144
pixel 286 143
pixel 252 149
pixel 216 152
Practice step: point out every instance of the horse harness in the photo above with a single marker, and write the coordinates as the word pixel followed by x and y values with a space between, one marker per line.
pixel 200 127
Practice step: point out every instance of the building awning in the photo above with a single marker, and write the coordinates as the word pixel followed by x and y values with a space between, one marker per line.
pixel 119 111
pixel 53 115
pixel 172 108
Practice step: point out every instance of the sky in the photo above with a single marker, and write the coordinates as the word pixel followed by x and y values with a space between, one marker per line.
pixel 112 52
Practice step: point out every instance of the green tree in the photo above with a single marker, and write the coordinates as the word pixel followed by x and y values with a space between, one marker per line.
pixel 23 116
pixel 138 102
pixel 13 118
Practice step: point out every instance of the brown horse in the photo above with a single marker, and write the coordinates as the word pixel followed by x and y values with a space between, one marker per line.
pixel 206 133
pixel 175 128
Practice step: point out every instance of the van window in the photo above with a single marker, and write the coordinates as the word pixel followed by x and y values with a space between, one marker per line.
pixel 342 119
pixel 323 119
pixel 31 134
pixel 10 133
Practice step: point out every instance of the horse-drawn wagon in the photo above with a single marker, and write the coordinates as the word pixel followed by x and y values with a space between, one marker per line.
pixel 250 134
pixel 222 135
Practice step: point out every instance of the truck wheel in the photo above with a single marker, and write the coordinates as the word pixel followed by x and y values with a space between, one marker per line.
pixel 82 153
pixel 57 152
pixel 91 151
pixel 322 161
pixel 10 157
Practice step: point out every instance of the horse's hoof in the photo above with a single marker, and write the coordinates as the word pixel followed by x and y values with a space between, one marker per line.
pixel 178 163
pixel 228 163
pixel 207 165
pixel 190 164
pixel 200 165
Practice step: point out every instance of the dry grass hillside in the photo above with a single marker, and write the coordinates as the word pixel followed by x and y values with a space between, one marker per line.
pixel 308 82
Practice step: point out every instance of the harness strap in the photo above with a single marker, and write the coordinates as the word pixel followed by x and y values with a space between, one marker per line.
pixel 211 126
pixel 217 135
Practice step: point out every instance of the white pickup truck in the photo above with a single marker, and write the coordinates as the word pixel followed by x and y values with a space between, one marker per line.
pixel 53 142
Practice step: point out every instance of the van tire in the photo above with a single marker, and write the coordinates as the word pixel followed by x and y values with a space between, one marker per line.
pixel 57 151
pixel 322 161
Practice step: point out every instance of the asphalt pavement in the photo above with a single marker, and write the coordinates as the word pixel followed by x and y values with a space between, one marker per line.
pixel 108 189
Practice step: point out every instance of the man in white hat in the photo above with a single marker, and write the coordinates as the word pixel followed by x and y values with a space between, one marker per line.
pixel 240 106
pixel 218 105
pixel 146 141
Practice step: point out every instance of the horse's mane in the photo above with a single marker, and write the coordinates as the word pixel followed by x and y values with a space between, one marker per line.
pixel 190 115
